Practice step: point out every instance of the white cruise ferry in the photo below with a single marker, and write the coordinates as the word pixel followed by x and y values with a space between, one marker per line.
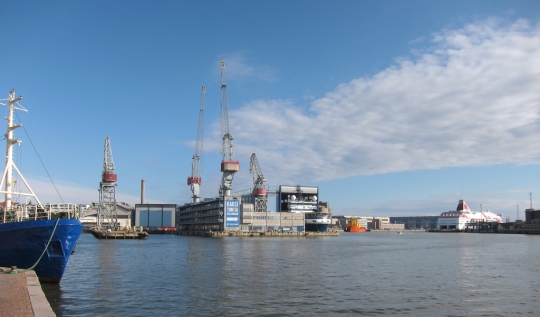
pixel 457 220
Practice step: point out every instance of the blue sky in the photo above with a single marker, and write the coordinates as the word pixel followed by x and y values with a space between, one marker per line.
pixel 397 108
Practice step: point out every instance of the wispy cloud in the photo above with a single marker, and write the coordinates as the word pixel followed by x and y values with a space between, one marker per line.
pixel 238 68
pixel 471 99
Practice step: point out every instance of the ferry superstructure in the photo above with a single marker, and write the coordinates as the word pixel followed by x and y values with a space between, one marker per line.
pixel 458 219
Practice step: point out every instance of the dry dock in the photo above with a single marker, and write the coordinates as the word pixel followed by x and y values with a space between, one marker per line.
pixel 260 234
pixel 22 295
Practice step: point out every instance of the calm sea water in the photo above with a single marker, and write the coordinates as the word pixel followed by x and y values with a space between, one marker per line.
pixel 370 274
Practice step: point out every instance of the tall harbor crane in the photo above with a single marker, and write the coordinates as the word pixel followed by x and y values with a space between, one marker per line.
pixel 259 192
pixel 195 180
pixel 107 190
pixel 228 165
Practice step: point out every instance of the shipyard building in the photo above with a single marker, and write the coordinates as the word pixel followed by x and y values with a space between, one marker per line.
pixel 282 208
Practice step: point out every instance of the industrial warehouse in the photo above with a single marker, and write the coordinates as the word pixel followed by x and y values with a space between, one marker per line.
pixel 283 209
pixel 237 214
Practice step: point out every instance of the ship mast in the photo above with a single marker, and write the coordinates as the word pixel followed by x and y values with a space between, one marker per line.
pixel 7 177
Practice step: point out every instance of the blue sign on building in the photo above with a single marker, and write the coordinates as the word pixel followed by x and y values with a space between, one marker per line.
pixel 232 213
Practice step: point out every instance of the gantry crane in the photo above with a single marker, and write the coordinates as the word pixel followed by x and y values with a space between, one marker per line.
pixel 195 180
pixel 259 192
pixel 228 165
pixel 107 190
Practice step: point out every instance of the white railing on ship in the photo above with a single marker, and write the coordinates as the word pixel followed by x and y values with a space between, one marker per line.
pixel 70 211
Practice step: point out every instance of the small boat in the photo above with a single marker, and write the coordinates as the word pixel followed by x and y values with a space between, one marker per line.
pixel 33 236
pixel 399 232
pixel 354 226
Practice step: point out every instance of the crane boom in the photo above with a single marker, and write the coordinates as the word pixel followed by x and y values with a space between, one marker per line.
pixel 258 177
pixel 228 165
pixel 259 192
pixel 108 163
pixel 196 180
pixel 227 146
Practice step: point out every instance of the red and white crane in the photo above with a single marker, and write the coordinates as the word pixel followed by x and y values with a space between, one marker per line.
pixel 259 192
pixel 107 190
pixel 195 180
pixel 228 165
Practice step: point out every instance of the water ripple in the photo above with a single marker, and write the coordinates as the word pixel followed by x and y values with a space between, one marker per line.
pixel 369 274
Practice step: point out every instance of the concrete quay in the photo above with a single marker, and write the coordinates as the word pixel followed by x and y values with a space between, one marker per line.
pixel 22 295
pixel 259 234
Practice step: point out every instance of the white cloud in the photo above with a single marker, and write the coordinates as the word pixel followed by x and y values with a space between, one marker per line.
pixel 472 99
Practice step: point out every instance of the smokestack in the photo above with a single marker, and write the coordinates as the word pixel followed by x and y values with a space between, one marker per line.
pixel 142 191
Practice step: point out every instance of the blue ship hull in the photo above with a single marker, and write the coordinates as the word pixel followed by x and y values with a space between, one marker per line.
pixel 22 244
pixel 316 227
pixel 317 221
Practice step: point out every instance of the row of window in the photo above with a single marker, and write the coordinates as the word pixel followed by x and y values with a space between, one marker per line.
pixel 248 217
pixel 201 207
pixel 274 228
